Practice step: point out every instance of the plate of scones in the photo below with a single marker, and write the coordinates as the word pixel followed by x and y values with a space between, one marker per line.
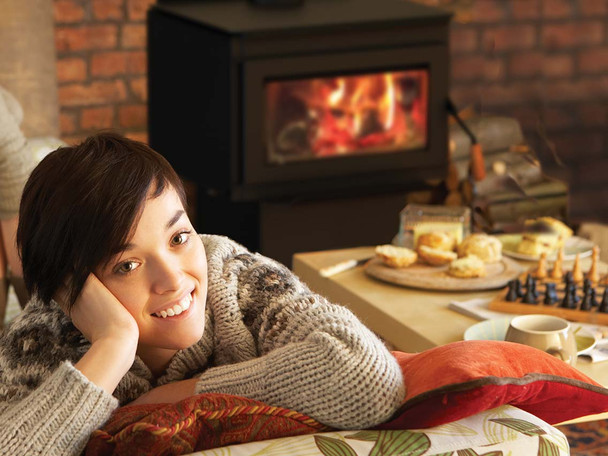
pixel 544 235
pixel 439 262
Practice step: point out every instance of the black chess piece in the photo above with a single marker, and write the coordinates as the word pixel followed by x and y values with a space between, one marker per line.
pixel 529 296
pixel 531 287
pixel 514 289
pixel 569 301
pixel 574 292
pixel 519 288
pixel 604 304
pixel 550 294
pixel 568 279
pixel 586 285
pixel 589 299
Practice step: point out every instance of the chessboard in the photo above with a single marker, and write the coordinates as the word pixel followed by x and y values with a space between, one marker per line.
pixel 572 295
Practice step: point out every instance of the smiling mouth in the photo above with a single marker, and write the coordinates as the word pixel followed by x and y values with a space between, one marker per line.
pixel 176 309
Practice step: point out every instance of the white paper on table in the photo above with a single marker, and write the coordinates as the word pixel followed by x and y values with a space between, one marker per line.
pixel 479 309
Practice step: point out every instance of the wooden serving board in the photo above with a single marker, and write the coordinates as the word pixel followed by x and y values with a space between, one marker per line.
pixel 499 304
pixel 424 276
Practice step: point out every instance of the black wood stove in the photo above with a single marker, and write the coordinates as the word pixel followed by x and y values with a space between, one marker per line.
pixel 302 126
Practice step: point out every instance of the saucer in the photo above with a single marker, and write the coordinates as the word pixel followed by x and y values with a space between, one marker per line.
pixel 496 329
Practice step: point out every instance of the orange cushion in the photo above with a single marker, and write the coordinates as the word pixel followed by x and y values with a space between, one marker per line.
pixel 460 379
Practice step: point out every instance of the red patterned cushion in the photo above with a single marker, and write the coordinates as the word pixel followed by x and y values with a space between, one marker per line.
pixel 196 423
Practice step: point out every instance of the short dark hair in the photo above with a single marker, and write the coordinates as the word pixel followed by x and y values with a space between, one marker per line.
pixel 80 206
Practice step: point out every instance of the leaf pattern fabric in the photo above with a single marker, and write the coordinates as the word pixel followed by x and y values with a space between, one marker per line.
pixel 479 435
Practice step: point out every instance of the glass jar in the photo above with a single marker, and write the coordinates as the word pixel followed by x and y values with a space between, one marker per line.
pixel 416 219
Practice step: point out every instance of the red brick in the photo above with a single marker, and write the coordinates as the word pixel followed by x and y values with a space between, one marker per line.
pixel 133 36
pixel 68 11
pixel 96 92
pixel 67 122
pixel 525 9
pixel 468 68
pixel 555 117
pixel 594 114
pixel 582 89
pixel 133 116
pixel 108 9
pixel 465 94
pixel 463 40
pixel 528 116
pixel 593 7
pixel 494 69
pixel 97 118
pixel 139 88
pixel 526 64
pixel 489 11
pixel 137 9
pixel 554 9
pixel 118 63
pixel 558 66
pixel 509 94
pixel 109 63
pixel 509 37
pixel 141 136
pixel 74 139
pixel 84 38
pixel 71 69
pixel 593 60
pixel 567 35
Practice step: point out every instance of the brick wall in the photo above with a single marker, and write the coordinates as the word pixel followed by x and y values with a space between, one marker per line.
pixel 544 62
pixel 101 66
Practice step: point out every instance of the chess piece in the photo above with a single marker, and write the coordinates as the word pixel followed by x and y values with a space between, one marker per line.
pixel 568 280
pixel 604 304
pixel 530 296
pixel 541 269
pixel 589 301
pixel 557 271
pixel 513 294
pixel 550 294
pixel 531 286
pixel 568 301
pixel 577 271
pixel 593 274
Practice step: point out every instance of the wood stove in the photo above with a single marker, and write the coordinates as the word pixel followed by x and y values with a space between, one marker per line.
pixel 271 112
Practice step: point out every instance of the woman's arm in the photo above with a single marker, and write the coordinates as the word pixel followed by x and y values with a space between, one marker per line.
pixel 58 415
pixel 310 355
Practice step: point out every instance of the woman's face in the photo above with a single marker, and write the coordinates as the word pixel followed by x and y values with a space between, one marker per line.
pixel 161 279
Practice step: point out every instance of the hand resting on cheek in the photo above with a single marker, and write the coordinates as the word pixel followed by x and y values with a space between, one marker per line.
pixel 110 329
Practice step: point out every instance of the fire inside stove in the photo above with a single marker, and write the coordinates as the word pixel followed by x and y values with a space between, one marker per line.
pixel 315 118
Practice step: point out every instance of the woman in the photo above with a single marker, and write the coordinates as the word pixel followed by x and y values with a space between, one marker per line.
pixel 130 305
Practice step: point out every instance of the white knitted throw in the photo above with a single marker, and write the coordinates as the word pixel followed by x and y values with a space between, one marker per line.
pixel 267 337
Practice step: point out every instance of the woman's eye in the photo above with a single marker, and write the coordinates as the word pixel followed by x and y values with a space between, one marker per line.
pixel 126 267
pixel 180 238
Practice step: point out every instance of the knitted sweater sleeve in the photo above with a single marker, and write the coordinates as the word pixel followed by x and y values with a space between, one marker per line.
pixel 57 417
pixel 280 343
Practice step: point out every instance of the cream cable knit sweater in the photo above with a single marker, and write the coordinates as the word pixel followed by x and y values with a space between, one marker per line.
pixel 16 161
pixel 267 337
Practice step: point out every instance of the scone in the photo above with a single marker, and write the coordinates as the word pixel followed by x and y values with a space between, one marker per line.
pixel 437 240
pixel 549 225
pixel 396 257
pixel 467 267
pixel 436 257
pixel 534 244
pixel 486 248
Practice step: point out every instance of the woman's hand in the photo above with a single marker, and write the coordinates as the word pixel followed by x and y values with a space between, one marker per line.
pixel 110 328
pixel 172 392
pixel 99 315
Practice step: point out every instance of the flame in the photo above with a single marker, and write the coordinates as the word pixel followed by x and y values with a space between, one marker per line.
pixel 348 114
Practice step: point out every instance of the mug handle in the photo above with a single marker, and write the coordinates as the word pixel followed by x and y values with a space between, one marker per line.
pixel 559 353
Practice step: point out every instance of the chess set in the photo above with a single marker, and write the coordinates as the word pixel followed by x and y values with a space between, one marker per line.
pixel 573 295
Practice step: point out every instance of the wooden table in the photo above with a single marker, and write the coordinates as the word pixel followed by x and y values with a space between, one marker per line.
pixel 409 319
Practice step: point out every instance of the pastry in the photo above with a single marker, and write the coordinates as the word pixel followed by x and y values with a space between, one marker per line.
pixel 467 267
pixel 485 247
pixel 441 240
pixel 396 257
pixel 436 257
pixel 548 225
pixel 534 244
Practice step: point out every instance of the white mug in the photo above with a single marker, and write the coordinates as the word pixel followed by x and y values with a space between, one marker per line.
pixel 547 333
